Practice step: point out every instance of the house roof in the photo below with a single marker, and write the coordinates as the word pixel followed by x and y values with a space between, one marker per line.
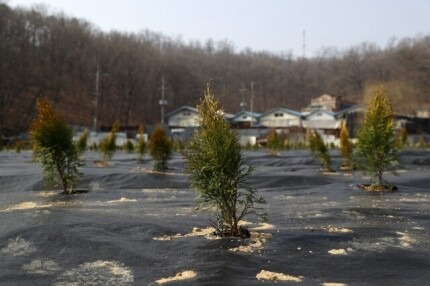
pixel 247 113
pixel 180 109
pixel 353 108
pixel 286 110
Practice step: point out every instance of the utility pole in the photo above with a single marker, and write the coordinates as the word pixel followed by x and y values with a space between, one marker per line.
pixel 96 102
pixel 243 102
pixel 304 44
pixel 252 103
pixel 163 101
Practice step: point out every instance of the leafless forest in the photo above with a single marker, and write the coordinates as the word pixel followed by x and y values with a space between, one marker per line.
pixel 57 56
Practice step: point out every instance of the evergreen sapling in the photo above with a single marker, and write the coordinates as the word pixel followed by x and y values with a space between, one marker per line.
pixel 54 147
pixel 217 170
pixel 376 151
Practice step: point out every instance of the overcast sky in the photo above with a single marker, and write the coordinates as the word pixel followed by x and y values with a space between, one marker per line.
pixel 271 25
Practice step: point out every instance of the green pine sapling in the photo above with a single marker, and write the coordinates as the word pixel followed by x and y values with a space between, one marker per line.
pixel 376 151
pixel 108 145
pixel 273 142
pixel 217 171
pixel 141 145
pixel 81 145
pixel 318 149
pixel 346 147
pixel 160 148
pixel 54 147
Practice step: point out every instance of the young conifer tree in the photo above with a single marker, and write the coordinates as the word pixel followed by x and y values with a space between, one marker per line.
pixel 160 148
pixel 54 148
pixel 318 149
pixel 141 145
pixel 273 142
pixel 376 150
pixel 402 140
pixel 346 147
pixel 81 145
pixel 217 171
pixel 108 144
pixel 129 147
pixel 310 141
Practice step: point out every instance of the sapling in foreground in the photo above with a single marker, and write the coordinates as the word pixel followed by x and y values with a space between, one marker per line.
pixel 376 150
pixel 54 148
pixel 217 170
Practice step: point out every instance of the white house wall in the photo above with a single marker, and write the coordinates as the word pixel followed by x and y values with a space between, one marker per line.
pixel 319 115
pixel 285 121
pixel 181 119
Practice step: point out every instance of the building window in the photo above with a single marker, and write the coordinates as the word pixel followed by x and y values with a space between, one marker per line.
pixel 279 114
pixel 244 117
pixel 186 114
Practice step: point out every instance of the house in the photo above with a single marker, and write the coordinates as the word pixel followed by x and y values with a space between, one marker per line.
pixel 281 118
pixel 245 119
pixel 353 116
pixel 182 117
pixel 321 119
pixel 327 102
pixel 328 123
pixel 324 102
pixel 325 123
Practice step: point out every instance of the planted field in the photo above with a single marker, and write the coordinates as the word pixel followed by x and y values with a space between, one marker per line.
pixel 139 227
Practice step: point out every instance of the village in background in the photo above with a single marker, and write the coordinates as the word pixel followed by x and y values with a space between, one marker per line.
pixel 324 114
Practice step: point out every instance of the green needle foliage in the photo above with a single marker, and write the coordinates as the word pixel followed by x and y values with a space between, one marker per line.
pixel 318 149
pixel 310 141
pixel 160 148
pixel 54 148
pixel 81 145
pixel 129 147
pixel 216 170
pixel 273 142
pixel 346 146
pixel 402 138
pixel 141 145
pixel 376 150
pixel 107 145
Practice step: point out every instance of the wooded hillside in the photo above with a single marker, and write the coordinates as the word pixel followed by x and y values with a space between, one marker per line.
pixel 57 56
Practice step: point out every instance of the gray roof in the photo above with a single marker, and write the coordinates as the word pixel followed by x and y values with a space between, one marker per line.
pixel 182 108
pixel 286 110
pixel 247 113
pixel 354 108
